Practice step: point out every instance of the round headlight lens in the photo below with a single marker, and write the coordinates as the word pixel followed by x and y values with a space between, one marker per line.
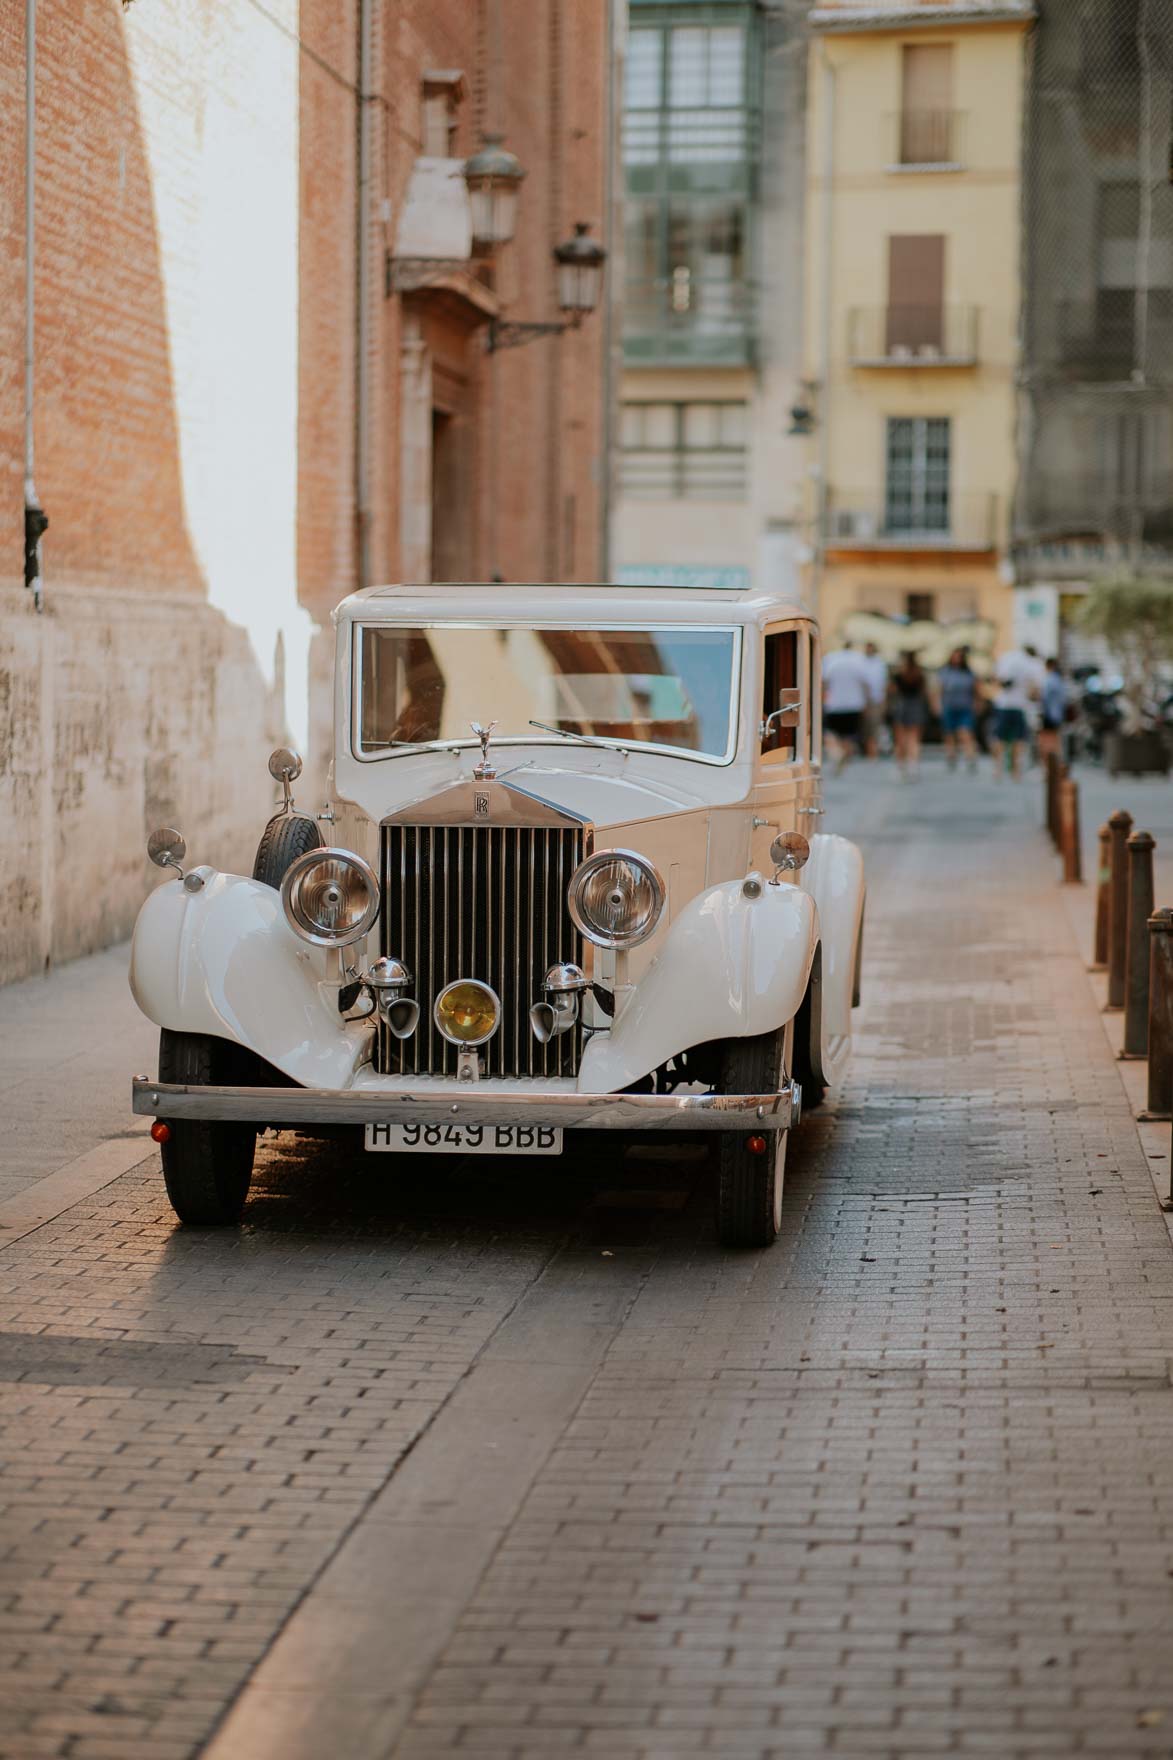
pixel 467 1012
pixel 331 897
pixel 616 898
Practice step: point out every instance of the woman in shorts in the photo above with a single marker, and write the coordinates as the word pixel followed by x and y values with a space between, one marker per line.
pixel 957 687
pixel 910 711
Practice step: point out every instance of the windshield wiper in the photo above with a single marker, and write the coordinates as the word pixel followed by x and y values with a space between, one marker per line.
pixel 604 745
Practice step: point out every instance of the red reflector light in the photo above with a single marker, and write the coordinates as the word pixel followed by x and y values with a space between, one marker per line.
pixel 756 1145
pixel 160 1132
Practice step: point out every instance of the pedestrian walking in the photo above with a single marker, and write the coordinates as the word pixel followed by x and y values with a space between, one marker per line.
pixel 910 711
pixel 1019 675
pixel 1053 704
pixel 957 688
pixel 846 695
pixel 873 715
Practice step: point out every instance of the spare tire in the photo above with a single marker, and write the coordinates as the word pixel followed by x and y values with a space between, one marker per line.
pixel 285 837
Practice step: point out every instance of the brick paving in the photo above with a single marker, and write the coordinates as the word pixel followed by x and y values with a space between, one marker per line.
pixel 898 1487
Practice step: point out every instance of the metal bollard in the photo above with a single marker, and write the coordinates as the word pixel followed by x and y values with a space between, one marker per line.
pixel 1119 824
pixel 1160 1089
pixel 1069 831
pixel 1136 965
pixel 1100 953
pixel 1054 774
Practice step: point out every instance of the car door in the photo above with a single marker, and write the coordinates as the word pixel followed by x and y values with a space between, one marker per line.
pixel 783 774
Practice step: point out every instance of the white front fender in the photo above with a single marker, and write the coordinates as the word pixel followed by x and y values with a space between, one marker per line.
pixel 224 961
pixel 834 879
pixel 731 967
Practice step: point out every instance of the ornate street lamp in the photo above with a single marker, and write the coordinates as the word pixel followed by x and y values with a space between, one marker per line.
pixel 493 176
pixel 580 277
pixel 580 271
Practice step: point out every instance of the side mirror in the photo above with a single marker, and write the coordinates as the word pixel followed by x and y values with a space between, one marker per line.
pixel 285 768
pixel 166 848
pixel 789 710
pixel 788 852
pixel 787 714
pixel 284 765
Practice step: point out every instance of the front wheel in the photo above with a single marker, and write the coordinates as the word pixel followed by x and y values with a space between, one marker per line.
pixel 207 1163
pixel 749 1182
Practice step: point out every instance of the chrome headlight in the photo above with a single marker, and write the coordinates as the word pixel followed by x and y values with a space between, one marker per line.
pixel 331 897
pixel 616 898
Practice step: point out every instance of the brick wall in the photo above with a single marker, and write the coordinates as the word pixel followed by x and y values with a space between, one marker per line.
pixel 195 417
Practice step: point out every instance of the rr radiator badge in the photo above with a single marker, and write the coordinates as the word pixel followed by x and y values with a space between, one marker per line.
pixel 480 806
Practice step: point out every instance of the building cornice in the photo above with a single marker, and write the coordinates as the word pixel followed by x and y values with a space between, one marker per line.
pixel 878 15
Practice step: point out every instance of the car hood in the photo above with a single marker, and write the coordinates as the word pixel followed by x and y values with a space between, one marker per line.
pixel 603 799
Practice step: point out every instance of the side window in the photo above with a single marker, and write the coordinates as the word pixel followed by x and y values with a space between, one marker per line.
pixel 779 744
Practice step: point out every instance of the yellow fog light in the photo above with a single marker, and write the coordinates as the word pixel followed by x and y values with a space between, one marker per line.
pixel 467 1012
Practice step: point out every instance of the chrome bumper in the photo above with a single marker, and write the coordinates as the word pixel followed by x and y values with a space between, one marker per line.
pixel 291 1107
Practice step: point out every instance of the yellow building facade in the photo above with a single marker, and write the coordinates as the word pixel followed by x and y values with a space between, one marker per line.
pixel 911 328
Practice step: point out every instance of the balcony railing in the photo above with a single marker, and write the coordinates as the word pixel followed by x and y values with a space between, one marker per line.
pixel 686 317
pixel 912 336
pixel 871 521
pixel 924 140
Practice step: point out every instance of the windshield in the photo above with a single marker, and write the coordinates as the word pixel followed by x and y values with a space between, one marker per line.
pixel 657 687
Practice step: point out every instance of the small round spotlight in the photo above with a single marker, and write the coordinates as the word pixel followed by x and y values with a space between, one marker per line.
pixel 467 1012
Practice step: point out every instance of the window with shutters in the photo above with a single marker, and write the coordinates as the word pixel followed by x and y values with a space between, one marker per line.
pixel 928 124
pixel 916 293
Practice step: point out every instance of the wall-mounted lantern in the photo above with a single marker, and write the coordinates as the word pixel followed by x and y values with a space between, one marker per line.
pixel 493 176
pixel 580 279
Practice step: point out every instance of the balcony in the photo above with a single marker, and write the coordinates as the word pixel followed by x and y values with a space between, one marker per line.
pixel 689 319
pixel 924 140
pixel 912 336
pixel 866 520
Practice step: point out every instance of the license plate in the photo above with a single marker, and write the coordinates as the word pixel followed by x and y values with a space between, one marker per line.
pixel 465 1139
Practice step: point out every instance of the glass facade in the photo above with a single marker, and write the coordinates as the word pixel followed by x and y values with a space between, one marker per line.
pixel 688 147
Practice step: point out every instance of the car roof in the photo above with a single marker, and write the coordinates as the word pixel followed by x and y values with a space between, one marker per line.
pixel 598 602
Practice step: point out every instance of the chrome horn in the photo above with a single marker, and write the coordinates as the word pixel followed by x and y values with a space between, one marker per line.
pixel 563 984
pixel 387 981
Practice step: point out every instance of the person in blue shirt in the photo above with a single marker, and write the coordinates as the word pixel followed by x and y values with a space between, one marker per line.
pixel 1053 705
pixel 957 688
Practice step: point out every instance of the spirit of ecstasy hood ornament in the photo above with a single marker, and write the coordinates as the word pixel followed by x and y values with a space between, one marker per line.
pixel 484 771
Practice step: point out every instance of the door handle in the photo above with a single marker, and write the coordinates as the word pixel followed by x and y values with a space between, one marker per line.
pixel 760 824
pixel 813 812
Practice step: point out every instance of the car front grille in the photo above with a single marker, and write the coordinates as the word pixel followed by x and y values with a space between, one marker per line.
pixel 487 902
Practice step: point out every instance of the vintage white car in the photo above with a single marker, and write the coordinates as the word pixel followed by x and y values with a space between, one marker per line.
pixel 568 878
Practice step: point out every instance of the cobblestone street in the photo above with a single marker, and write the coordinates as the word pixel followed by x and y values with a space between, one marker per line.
pixel 518 1463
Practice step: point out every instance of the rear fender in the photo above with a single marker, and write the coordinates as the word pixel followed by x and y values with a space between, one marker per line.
pixel 224 961
pixel 733 965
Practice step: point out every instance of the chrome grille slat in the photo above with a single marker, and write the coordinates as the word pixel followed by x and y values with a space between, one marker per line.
pixel 454 899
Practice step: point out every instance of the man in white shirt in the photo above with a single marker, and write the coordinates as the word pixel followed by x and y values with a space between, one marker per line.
pixel 847 691
pixel 1020 676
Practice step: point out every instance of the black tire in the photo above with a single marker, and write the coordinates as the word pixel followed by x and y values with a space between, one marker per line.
pixel 749 1186
pixel 284 838
pixel 207 1164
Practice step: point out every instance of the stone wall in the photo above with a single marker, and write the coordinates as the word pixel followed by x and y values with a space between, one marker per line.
pixel 118 712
